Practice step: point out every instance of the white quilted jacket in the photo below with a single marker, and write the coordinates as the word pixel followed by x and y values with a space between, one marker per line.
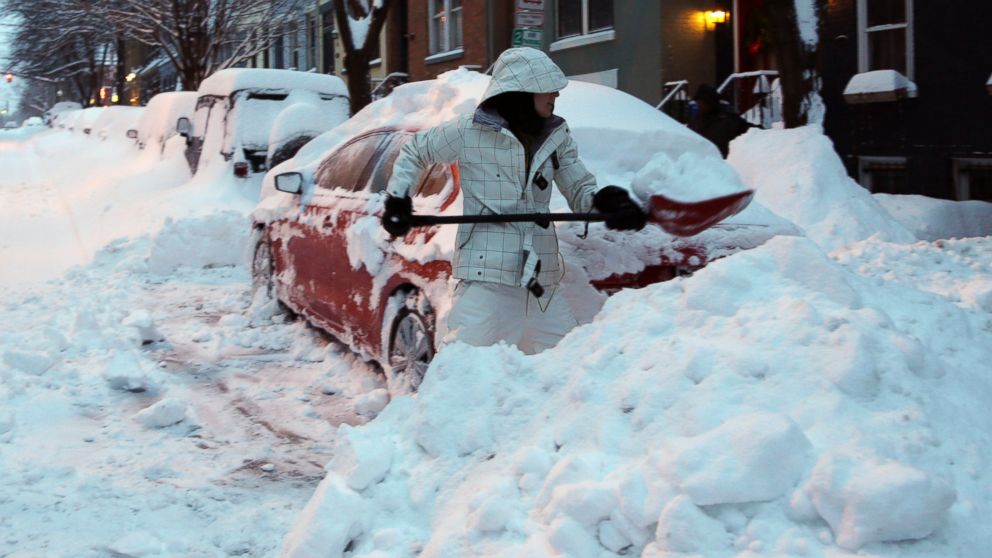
pixel 492 167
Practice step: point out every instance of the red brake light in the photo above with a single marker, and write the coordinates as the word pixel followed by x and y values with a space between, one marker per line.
pixel 241 169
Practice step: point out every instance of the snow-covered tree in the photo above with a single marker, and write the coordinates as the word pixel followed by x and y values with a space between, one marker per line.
pixel 200 37
pixel 360 24
pixel 62 42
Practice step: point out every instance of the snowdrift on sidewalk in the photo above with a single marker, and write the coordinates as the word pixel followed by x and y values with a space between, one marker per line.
pixel 797 174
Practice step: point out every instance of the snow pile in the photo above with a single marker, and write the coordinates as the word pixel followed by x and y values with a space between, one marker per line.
pixel 774 403
pixel 797 174
pixel 959 270
pixel 932 219
pixel 217 239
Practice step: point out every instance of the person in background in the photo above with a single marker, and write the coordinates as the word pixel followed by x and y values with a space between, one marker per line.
pixel 509 151
pixel 714 120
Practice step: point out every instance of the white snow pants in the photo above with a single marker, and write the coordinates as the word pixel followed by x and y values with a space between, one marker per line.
pixel 485 313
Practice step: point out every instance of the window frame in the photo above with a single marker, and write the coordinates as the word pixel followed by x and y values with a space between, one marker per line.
pixel 865 173
pixel 439 46
pixel 960 167
pixel 585 31
pixel 864 56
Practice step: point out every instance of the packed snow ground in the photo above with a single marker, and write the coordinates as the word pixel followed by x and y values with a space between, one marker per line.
pixel 821 395
pixel 145 409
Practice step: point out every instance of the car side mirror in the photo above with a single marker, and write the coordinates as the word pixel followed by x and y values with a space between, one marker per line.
pixel 289 182
pixel 183 127
pixel 132 134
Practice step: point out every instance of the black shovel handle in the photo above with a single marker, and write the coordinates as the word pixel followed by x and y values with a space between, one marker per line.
pixel 539 218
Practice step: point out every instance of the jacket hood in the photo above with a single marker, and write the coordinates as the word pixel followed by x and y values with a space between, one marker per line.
pixel 524 69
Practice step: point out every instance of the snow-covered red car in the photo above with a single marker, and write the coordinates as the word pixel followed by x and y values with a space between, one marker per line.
pixel 320 249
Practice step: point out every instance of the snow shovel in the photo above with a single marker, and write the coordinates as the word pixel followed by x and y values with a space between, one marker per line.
pixel 675 217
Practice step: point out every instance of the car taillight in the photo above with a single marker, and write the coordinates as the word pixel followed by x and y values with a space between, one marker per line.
pixel 241 169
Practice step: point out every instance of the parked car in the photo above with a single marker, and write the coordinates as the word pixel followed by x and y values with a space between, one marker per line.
pixel 33 121
pixel 320 250
pixel 117 121
pixel 158 122
pixel 236 108
pixel 58 108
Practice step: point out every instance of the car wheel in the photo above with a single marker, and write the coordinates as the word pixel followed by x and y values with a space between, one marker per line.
pixel 263 289
pixel 410 348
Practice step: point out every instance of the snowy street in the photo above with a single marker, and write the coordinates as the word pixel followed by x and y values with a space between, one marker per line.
pixel 223 470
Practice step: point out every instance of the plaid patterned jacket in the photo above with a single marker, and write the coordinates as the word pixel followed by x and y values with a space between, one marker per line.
pixel 492 167
pixel 491 163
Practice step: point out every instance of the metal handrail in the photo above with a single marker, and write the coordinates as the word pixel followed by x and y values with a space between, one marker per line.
pixel 677 86
pixel 764 111
pixel 739 75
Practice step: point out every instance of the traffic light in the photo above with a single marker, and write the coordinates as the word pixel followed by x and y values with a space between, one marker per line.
pixel 10 77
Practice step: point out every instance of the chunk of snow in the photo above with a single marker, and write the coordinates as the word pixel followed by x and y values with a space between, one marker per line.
pixel 142 322
pixel 31 362
pixel 875 500
pixel 164 413
pixel 217 239
pixel 125 372
pixel 333 517
pixel 750 458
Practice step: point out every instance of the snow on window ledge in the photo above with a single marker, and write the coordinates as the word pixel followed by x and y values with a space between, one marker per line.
pixel 583 40
pixel 445 56
pixel 988 85
pixel 878 86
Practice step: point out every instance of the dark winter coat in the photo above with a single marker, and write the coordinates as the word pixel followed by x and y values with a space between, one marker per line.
pixel 719 126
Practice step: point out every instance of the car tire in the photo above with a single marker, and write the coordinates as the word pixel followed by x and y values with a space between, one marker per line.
pixel 263 289
pixel 410 344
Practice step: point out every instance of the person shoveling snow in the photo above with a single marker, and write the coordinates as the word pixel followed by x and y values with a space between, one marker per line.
pixel 509 151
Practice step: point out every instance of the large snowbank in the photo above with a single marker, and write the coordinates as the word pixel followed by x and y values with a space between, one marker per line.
pixel 797 174
pixel 809 407
pixel 932 219
pixel 781 401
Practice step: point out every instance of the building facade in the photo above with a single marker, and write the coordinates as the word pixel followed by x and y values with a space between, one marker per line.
pixel 929 130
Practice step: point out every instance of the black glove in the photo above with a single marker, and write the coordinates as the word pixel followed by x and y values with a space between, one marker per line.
pixel 621 212
pixel 397 219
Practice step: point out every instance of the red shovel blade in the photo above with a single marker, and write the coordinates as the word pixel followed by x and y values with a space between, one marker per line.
pixel 690 218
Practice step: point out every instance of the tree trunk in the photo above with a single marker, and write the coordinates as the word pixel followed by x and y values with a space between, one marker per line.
pixel 356 60
pixel 798 75
pixel 119 80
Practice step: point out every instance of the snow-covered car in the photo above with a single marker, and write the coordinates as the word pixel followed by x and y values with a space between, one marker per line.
pixel 320 250
pixel 236 109
pixel 52 114
pixel 33 121
pixel 117 121
pixel 158 122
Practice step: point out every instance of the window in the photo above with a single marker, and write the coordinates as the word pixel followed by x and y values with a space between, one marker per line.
pixel 350 167
pixel 311 42
pixel 883 175
pixel 973 179
pixel 886 36
pixel 445 25
pixel 582 17
pixel 294 46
